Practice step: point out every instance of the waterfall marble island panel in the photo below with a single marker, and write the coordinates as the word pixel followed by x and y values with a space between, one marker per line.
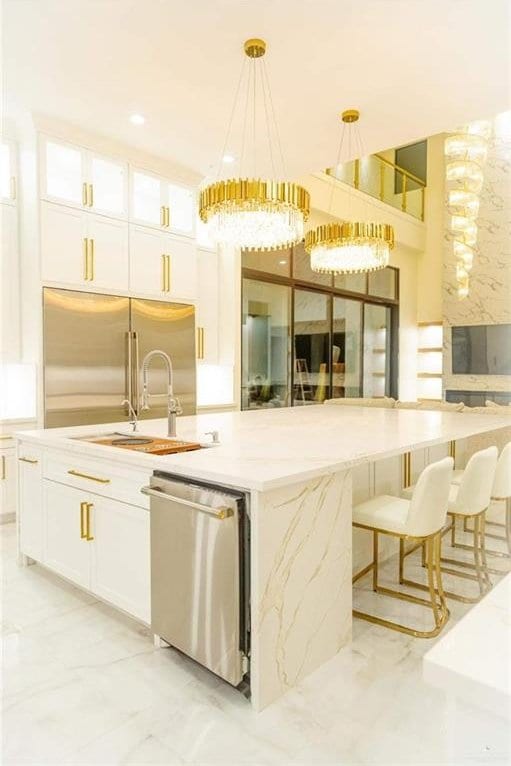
pixel 297 467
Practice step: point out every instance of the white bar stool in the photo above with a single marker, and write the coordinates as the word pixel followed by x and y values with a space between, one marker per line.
pixel 468 499
pixel 501 491
pixel 421 520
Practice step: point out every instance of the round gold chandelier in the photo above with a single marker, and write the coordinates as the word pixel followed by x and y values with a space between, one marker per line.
pixel 349 247
pixel 255 213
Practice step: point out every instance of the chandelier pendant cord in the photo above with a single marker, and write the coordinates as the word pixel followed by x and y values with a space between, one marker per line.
pixel 254 119
pixel 245 120
pixel 231 118
pixel 275 123
pixel 268 127
pixel 337 163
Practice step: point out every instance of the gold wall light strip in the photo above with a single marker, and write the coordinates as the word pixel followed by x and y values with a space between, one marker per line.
pixel 83 508
pixel 91 195
pixel 88 506
pixel 3 468
pixel 85 198
pixel 407 469
pixel 28 460
pixel 81 475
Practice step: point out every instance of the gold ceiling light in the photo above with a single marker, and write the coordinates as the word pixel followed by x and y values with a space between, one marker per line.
pixel 349 247
pixel 254 213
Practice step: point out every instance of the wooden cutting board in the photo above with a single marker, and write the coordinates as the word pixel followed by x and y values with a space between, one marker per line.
pixel 154 447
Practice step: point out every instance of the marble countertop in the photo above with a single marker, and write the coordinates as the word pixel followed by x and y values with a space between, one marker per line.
pixel 260 450
pixel 473 660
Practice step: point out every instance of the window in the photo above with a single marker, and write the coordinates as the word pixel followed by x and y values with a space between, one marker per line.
pixel 414 159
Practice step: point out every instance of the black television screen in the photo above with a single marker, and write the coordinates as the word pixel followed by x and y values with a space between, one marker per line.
pixel 481 350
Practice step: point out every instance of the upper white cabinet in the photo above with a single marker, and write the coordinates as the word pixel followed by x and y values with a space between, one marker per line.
pixel 157 202
pixel 161 265
pixel 72 175
pixel 83 250
pixel 8 171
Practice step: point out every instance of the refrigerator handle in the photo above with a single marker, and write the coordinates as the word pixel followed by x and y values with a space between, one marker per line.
pixel 136 373
pixel 129 372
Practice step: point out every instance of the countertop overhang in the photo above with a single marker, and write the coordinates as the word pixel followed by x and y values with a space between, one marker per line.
pixel 270 448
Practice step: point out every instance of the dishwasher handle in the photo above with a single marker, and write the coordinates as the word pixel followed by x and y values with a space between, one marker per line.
pixel 219 513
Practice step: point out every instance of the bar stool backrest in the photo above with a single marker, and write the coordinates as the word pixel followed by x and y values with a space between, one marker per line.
pixel 476 482
pixel 502 484
pixel 428 506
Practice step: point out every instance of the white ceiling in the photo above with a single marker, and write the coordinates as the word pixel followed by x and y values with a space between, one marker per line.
pixel 413 68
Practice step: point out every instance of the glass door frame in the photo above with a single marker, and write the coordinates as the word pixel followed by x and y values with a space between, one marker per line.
pixel 391 388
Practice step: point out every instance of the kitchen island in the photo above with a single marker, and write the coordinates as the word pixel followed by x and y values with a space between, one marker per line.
pixel 296 467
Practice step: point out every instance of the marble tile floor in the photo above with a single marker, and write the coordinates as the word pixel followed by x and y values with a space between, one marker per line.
pixel 83 684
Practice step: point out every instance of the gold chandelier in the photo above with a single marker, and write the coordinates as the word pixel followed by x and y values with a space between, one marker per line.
pixel 255 213
pixel 349 247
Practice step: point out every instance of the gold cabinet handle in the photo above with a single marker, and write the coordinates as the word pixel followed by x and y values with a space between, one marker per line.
pixel 6 436
pixel 167 217
pixel 168 273
pixel 91 195
pixel 162 215
pixel 91 260
pixel 200 342
pixel 83 509
pixel 85 198
pixel 3 476
pixel 88 535
pixel 72 472
pixel 85 258
pixel 164 273
pixel 28 460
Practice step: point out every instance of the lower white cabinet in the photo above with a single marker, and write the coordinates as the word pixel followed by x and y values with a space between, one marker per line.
pixel 30 508
pixel 121 569
pixel 7 483
pixel 207 307
pixel 100 544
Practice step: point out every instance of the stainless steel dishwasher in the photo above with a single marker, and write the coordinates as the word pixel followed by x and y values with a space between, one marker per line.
pixel 200 573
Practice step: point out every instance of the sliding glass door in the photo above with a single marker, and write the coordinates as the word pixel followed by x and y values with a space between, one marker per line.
pixel 346 348
pixel 266 347
pixel 311 347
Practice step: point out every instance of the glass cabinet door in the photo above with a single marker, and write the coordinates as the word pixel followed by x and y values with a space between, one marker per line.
pixel 346 348
pixel 109 184
pixel 147 199
pixel 376 350
pixel 311 375
pixel 181 204
pixel 266 348
pixel 63 173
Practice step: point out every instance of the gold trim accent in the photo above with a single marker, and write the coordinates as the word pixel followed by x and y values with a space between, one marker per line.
pixel 407 469
pixel 245 192
pixel 350 115
pixel 254 48
pixel 83 507
pixel 73 472
pixel 88 535
pixel 223 513
pixel 3 476
pixel 28 460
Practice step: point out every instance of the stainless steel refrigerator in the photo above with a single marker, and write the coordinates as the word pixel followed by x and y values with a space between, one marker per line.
pixel 93 350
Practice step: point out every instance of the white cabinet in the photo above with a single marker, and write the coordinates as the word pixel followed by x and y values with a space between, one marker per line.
pixel 30 502
pixel 10 289
pixel 66 544
pixel 162 266
pixel 7 483
pixel 157 202
pixel 72 175
pixel 121 572
pixel 8 171
pixel 207 307
pixel 82 249
pixel 100 544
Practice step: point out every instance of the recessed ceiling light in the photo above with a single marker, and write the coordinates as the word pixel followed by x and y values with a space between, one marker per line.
pixel 137 119
pixel 282 263
pixel 228 158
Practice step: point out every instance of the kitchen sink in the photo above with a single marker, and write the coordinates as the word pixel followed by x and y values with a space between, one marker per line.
pixel 153 445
